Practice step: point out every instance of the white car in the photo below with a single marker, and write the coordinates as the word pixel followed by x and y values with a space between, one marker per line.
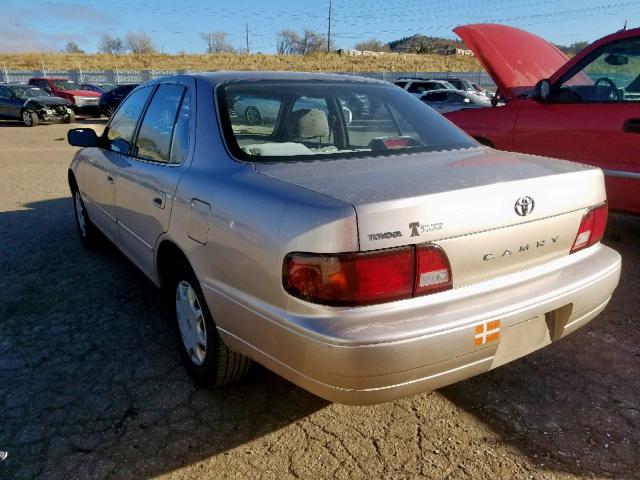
pixel 417 86
pixel 451 100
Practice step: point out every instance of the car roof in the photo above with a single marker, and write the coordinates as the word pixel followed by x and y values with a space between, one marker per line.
pixel 17 85
pixel 214 78
pixel 48 78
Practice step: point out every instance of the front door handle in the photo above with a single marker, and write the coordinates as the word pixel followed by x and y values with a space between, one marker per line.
pixel 631 125
pixel 110 179
pixel 159 198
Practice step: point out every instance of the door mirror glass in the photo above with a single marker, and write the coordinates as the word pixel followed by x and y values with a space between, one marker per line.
pixel 82 137
pixel 543 90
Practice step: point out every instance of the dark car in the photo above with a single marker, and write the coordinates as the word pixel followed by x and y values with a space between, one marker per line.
pixel 110 101
pixel 100 88
pixel 32 105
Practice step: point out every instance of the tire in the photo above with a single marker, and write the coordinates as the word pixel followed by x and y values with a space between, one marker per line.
pixel 70 118
pixel 253 116
pixel 205 356
pixel 29 118
pixel 86 229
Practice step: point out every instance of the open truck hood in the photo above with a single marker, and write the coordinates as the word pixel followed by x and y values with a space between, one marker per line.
pixel 515 59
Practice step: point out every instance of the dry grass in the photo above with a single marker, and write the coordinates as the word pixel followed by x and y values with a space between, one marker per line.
pixel 328 62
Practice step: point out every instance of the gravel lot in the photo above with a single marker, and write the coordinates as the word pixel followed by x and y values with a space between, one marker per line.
pixel 91 385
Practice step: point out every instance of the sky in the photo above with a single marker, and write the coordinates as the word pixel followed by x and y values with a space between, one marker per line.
pixel 177 26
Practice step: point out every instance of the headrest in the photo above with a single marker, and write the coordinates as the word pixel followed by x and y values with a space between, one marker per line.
pixel 311 123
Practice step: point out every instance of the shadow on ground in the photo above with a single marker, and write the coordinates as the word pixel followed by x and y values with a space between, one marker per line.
pixel 91 385
pixel 574 406
pixel 90 379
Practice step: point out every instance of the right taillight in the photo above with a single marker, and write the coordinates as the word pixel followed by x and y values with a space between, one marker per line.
pixel 366 278
pixel 592 227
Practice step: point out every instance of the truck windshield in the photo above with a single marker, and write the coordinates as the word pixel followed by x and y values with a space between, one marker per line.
pixel 64 85
pixel 310 120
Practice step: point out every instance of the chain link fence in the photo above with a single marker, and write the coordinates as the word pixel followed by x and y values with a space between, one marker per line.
pixel 140 76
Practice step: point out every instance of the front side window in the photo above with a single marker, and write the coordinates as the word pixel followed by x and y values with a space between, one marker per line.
pixel 611 74
pixel 5 93
pixel 123 123
pixel 308 120
pixel 157 127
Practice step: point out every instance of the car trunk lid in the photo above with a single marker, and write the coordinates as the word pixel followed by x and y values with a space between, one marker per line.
pixel 492 212
pixel 515 59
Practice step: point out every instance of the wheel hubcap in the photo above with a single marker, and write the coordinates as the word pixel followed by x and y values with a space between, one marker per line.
pixel 82 224
pixel 26 118
pixel 253 116
pixel 191 322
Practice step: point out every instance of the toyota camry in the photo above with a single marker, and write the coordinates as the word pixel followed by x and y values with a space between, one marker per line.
pixel 363 260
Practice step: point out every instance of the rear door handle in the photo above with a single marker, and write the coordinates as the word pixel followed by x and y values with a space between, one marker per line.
pixel 111 175
pixel 159 198
pixel 631 125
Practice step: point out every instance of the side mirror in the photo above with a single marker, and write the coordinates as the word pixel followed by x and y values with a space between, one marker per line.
pixel 466 100
pixel 543 90
pixel 82 137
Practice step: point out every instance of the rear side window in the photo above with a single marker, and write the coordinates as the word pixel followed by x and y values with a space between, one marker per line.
pixel 123 124
pixel 156 131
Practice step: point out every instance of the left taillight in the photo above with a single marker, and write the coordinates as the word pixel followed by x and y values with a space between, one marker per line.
pixel 592 227
pixel 366 278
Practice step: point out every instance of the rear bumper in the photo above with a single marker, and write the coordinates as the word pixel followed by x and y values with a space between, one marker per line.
pixel 384 352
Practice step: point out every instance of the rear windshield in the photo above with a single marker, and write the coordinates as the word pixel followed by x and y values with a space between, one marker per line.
pixel 308 120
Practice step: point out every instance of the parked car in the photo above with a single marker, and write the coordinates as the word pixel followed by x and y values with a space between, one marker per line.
pixel 585 109
pixel 450 100
pixel 32 105
pixel 417 86
pixel 100 88
pixel 364 261
pixel 82 101
pixel 110 100
pixel 259 111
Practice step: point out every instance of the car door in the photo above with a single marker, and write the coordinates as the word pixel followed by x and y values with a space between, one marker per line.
pixel 593 116
pixel 6 104
pixel 100 170
pixel 148 178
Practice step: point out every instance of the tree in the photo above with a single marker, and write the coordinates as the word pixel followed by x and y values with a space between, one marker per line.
pixel 217 42
pixel 372 45
pixel 311 42
pixel 288 42
pixel 72 47
pixel 139 43
pixel 110 45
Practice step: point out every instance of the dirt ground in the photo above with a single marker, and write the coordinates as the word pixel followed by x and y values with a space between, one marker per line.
pixel 91 385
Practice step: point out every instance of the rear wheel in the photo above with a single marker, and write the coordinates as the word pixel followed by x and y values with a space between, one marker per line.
pixel 29 118
pixel 205 356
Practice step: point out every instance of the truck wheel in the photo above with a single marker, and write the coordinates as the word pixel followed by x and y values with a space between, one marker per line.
pixel 70 118
pixel 205 356
pixel 29 118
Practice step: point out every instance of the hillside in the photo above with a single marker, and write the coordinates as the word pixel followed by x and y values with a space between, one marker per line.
pixel 424 44
pixel 328 62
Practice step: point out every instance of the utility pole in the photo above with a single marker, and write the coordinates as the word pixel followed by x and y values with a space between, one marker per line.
pixel 329 30
pixel 246 29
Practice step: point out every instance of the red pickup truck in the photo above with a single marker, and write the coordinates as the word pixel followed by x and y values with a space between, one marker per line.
pixel 586 108
pixel 82 101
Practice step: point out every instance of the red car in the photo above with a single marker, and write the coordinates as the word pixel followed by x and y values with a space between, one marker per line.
pixel 585 109
pixel 82 101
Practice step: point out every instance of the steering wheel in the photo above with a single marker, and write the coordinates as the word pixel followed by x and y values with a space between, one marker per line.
pixel 613 95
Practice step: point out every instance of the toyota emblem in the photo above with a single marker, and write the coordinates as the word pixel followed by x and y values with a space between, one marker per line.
pixel 524 206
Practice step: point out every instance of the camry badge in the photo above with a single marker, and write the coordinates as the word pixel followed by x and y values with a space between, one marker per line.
pixel 524 206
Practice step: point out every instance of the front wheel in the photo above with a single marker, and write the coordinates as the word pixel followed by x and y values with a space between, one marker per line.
pixel 70 118
pixel 86 230
pixel 253 116
pixel 205 356
pixel 29 118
